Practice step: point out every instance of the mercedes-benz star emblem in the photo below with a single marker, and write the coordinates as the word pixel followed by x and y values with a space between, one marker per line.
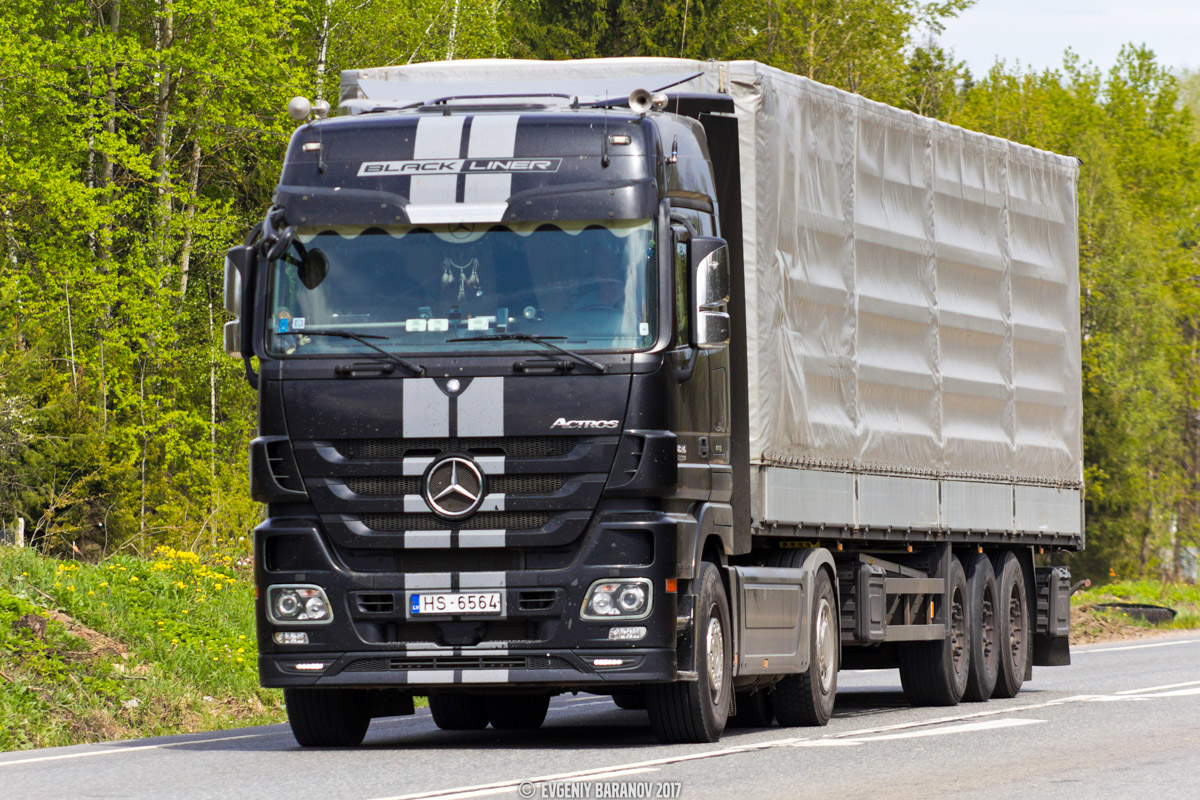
pixel 454 487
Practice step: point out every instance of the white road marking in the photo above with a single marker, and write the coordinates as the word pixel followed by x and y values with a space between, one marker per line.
pixel 950 730
pixel 118 749
pixel 1137 647
pixel 1159 688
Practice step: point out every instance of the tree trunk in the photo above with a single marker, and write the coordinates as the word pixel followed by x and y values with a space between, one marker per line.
pixel 185 256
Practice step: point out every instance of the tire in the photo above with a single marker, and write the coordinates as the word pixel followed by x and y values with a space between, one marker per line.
pixel 327 717
pixel 935 673
pixel 753 710
pixel 985 644
pixel 458 712
pixel 697 711
pixel 630 701
pixel 1012 625
pixel 806 698
pixel 516 712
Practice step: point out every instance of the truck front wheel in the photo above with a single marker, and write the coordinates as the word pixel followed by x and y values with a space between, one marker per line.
pixel 327 717
pixel 697 711
pixel 806 698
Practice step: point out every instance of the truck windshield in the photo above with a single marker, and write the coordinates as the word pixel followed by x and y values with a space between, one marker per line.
pixel 586 285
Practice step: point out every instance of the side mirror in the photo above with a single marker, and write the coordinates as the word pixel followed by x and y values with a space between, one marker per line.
pixel 709 259
pixel 238 263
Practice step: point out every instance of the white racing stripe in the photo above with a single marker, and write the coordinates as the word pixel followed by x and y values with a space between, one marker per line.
pixel 437 137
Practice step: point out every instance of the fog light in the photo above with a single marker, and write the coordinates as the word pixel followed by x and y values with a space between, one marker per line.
pixel 623 597
pixel 290 637
pixel 311 666
pixel 607 662
pixel 298 604
pixel 627 633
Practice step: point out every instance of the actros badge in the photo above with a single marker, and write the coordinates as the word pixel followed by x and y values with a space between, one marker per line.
pixel 454 487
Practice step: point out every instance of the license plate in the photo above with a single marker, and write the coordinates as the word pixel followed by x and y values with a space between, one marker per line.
pixel 455 603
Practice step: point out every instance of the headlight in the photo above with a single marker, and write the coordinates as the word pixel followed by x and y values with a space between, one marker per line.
pixel 628 598
pixel 298 604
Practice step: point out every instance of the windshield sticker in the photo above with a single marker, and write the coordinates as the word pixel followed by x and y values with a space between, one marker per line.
pixel 298 323
pixel 456 166
pixel 416 325
pixel 643 328
pixel 477 324
pixel 441 325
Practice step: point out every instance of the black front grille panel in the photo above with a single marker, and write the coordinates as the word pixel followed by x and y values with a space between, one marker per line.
pixel 492 520
pixel 511 447
pixel 456 662
pixel 398 486
pixel 506 631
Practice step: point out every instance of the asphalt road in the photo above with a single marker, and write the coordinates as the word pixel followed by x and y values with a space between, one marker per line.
pixel 1122 721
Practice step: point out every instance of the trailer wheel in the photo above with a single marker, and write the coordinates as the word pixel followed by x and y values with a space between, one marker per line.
pixel 985 645
pixel 630 701
pixel 516 712
pixel 935 673
pixel 327 717
pixel 458 712
pixel 753 710
pixel 806 698
pixel 1013 625
pixel 697 711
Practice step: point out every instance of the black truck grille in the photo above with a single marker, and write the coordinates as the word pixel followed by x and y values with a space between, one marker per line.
pixel 494 520
pixel 512 447
pixel 456 662
pixel 499 484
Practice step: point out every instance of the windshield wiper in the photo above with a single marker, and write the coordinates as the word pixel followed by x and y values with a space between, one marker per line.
pixel 363 338
pixel 529 337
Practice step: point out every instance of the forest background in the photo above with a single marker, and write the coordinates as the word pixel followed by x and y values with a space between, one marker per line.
pixel 141 138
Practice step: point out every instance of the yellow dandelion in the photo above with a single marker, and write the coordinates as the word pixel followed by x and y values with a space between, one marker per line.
pixel 240 660
pixel 103 584
pixel 71 588
pixel 241 636
pixel 91 593
pixel 133 579
pixel 241 649
pixel 185 611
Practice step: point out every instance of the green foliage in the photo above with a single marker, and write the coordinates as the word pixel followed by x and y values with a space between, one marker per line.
pixel 161 645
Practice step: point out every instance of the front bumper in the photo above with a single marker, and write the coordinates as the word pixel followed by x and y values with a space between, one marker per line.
pixel 477 667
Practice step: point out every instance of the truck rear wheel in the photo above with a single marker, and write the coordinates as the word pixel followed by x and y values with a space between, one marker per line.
pixel 697 711
pixel 753 710
pixel 517 712
pixel 1012 627
pixel 985 650
pixel 458 712
pixel 327 717
pixel 806 698
pixel 935 673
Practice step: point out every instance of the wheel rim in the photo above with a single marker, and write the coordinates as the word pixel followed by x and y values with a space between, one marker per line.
pixel 987 626
pixel 958 634
pixel 826 647
pixel 716 657
pixel 1016 627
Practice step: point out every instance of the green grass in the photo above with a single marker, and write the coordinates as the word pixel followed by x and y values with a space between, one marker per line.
pixel 1183 597
pixel 179 654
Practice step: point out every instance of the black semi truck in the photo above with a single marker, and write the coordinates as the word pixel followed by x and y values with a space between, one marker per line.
pixel 688 383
